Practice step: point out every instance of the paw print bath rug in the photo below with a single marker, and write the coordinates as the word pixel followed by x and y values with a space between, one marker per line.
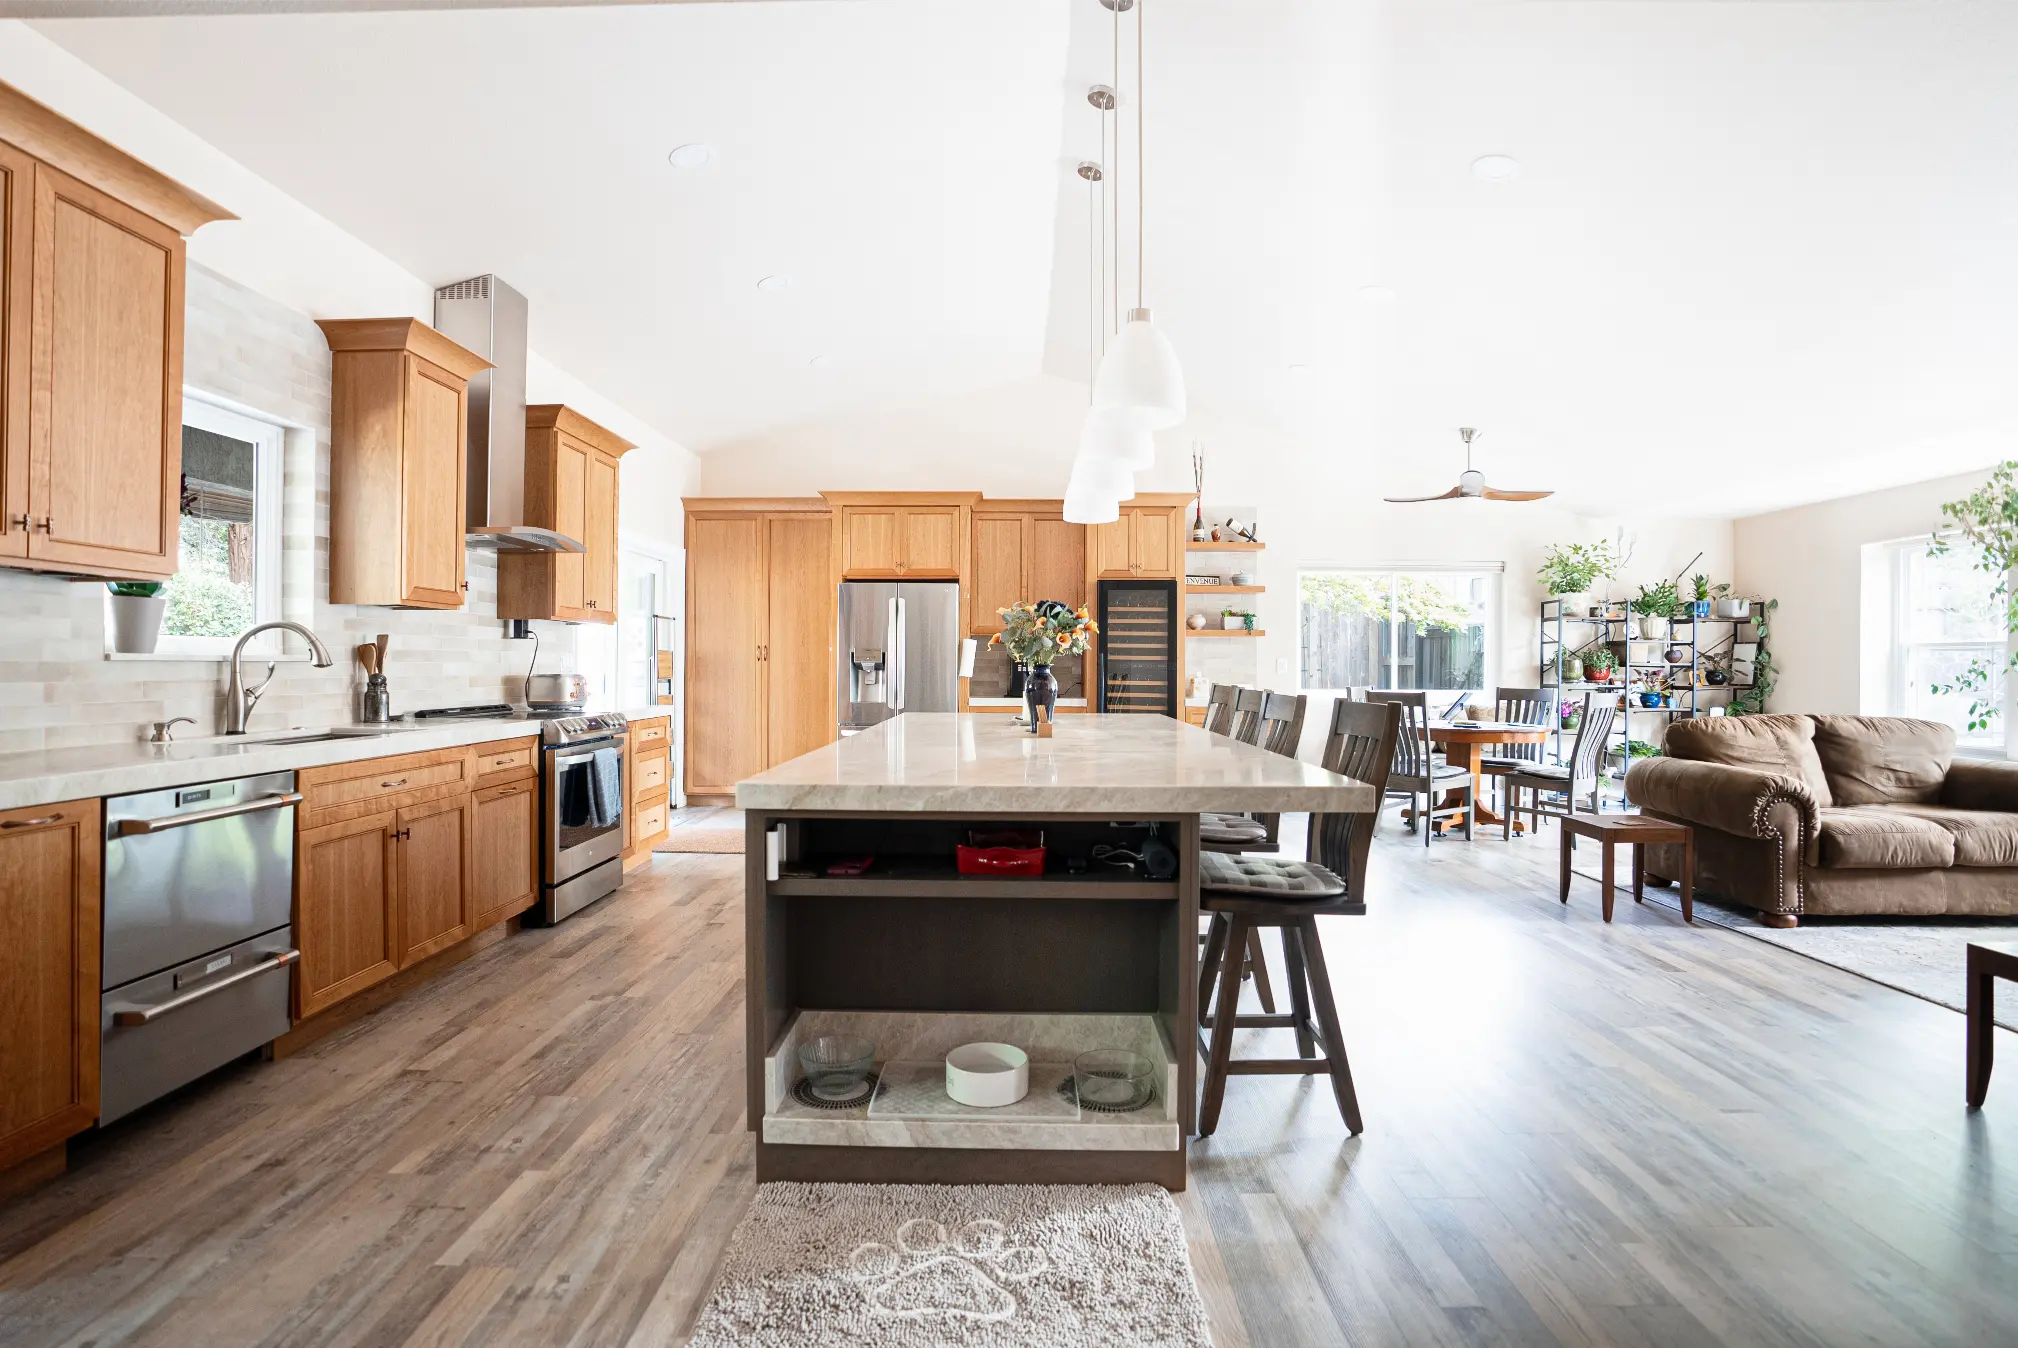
pixel 930 1265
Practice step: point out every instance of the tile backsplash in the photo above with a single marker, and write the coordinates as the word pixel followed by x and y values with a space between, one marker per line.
pixel 57 689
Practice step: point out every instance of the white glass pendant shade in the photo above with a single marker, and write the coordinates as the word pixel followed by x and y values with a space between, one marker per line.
pixel 1118 441
pixel 1095 493
pixel 1140 381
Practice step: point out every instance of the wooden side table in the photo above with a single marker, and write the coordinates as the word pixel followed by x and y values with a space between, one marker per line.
pixel 1636 830
pixel 1987 964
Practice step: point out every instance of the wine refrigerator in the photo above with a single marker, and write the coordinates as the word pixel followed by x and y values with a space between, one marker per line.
pixel 1138 646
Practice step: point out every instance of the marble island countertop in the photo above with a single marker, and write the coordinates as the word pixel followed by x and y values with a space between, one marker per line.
pixel 978 763
pixel 40 776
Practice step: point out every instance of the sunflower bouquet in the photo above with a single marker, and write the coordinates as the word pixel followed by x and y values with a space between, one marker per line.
pixel 1037 633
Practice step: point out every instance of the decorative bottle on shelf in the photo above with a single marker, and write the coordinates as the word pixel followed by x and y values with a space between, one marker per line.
pixel 1040 690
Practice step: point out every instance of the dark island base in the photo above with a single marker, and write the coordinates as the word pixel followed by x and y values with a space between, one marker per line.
pixel 944 1165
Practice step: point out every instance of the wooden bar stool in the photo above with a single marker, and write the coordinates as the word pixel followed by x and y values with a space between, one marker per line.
pixel 1278 728
pixel 1219 707
pixel 1246 894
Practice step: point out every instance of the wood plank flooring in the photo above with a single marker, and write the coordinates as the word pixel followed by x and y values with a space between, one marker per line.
pixel 1642 1134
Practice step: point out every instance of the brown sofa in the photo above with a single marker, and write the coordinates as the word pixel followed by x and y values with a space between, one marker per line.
pixel 1835 815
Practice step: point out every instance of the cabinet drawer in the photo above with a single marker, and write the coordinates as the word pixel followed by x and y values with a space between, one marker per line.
pixel 651 824
pixel 650 775
pixel 504 762
pixel 347 789
pixel 648 734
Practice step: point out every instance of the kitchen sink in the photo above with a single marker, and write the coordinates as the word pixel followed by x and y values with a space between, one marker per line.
pixel 321 736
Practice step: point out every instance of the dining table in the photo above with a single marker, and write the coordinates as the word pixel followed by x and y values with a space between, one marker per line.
pixel 1464 744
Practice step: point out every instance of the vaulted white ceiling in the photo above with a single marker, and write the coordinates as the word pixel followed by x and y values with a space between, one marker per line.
pixel 1756 253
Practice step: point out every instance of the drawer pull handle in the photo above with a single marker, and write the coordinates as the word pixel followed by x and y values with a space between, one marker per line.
pixel 280 959
pixel 502 762
pixel 387 786
pixel 31 823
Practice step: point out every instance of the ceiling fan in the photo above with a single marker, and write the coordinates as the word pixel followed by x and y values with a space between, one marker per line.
pixel 1471 484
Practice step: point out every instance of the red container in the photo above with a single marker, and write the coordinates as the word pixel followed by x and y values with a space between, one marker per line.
pixel 999 861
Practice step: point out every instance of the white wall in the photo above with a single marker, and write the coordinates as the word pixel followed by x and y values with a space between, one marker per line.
pixel 1019 439
pixel 1810 558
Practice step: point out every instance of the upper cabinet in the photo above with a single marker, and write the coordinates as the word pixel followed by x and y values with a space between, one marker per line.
pixel 91 276
pixel 1147 542
pixel 571 488
pixel 1024 550
pixel 399 418
pixel 901 535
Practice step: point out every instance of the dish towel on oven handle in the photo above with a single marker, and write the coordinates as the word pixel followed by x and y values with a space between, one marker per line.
pixel 606 786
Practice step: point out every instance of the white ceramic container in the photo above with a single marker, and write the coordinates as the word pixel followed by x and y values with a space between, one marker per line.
pixel 987 1076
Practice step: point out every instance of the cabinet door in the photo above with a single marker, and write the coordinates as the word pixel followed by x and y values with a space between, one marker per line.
pixel 434 876
pixel 571 493
pixel 726 622
pixel 1113 546
pixel 49 959
pixel 869 542
pixel 1057 561
pixel 799 648
pixel 601 527
pixel 346 912
pixel 17 232
pixel 931 537
pixel 504 867
pixel 1157 543
pixel 431 486
pixel 999 569
pixel 105 426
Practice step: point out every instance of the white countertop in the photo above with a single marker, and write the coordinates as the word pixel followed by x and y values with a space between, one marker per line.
pixel 1018 702
pixel 979 763
pixel 44 775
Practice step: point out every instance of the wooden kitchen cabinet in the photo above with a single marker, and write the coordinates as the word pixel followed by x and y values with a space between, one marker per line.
pixel 346 908
pixel 505 865
pixel 49 963
pixel 434 876
pixel 91 320
pixel 760 638
pixel 399 417
pixel 648 775
pixel 901 535
pixel 1024 550
pixel 1146 542
pixel 571 487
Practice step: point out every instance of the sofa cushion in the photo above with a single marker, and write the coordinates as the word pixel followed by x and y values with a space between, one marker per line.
pixel 1884 760
pixel 1879 839
pixel 1782 744
pixel 1982 837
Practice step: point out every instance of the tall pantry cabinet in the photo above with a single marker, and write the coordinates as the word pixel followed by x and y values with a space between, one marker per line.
pixel 760 638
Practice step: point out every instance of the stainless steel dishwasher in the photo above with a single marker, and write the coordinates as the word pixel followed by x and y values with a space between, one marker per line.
pixel 199 889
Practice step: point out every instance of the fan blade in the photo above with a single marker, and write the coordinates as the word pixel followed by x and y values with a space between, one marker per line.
pixel 1450 495
pixel 1495 494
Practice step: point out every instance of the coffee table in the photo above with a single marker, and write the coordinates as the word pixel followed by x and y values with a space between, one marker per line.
pixel 1987 964
pixel 1636 830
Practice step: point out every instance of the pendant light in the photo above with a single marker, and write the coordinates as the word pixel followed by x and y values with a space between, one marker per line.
pixel 1140 381
pixel 1118 440
pixel 1095 493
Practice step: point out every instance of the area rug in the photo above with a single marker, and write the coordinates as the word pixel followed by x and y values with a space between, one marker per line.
pixel 921 1265
pixel 1924 957
pixel 702 838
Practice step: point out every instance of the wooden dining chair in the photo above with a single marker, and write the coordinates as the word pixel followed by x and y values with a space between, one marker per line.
pixel 1237 894
pixel 1219 708
pixel 1566 780
pixel 1420 773
pixel 1518 706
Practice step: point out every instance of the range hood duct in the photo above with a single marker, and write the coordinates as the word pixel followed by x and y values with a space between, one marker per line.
pixel 489 317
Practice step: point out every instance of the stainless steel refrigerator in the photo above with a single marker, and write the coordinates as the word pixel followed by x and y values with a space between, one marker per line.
pixel 899 649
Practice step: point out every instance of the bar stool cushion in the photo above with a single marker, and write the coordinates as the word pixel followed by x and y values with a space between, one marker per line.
pixel 1231 828
pixel 1266 877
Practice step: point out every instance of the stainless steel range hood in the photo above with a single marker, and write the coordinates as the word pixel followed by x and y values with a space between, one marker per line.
pixel 489 317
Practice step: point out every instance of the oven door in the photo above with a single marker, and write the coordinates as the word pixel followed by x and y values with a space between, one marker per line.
pixel 584 791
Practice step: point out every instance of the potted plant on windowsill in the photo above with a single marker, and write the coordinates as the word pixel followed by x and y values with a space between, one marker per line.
pixel 137 606
pixel 1569 570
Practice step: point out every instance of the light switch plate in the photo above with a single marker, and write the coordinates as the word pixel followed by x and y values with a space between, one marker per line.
pixel 1282 666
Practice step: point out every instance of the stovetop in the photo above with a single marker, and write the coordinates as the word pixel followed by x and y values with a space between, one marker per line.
pixel 558 725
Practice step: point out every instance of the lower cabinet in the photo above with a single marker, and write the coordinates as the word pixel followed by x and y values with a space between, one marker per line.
pixel 434 875
pixel 346 909
pixel 504 876
pixel 49 960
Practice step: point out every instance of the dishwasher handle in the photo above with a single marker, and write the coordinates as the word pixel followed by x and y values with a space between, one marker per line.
pixel 280 959
pixel 127 828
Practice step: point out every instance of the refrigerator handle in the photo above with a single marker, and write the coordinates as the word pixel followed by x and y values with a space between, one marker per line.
pixel 896 656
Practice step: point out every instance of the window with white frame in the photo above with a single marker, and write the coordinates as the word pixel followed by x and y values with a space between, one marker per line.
pixel 1935 617
pixel 1400 627
pixel 229 573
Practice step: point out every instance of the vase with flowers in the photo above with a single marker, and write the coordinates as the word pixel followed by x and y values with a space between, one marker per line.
pixel 1036 633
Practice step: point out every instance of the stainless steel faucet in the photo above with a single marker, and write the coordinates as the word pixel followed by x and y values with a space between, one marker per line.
pixel 240 700
pixel 164 731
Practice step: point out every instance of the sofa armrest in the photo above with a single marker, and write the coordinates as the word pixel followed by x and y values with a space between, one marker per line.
pixel 1738 801
pixel 1981 784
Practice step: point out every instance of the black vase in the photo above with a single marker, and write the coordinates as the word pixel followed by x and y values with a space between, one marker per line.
pixel 1040 690
pixel 1017 673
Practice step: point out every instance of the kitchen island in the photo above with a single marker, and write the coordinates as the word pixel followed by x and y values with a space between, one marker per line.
pixel 920 958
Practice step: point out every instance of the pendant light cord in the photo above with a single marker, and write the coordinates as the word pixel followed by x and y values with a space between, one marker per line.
pixel 1115 196
pixel 1141 164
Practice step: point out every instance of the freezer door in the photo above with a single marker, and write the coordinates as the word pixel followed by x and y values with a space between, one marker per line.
pixel 864 650
pixel 928 655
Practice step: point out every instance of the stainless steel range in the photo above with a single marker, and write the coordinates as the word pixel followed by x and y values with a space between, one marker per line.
pixel 583 823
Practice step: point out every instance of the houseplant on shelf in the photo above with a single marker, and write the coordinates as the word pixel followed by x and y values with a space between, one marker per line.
pixel 1036 634
pixel 1751 701
pixel 1569 570
pixel 1987 520
pixel 1699 607
pixel 1599 662
pixel 1655 605
pixel 1236 620
pixel 136 615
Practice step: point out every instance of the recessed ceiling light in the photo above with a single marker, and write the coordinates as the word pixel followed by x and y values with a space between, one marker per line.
pixel 770 285
pixel 692 156
pixel 820 360
pixel 1496 168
